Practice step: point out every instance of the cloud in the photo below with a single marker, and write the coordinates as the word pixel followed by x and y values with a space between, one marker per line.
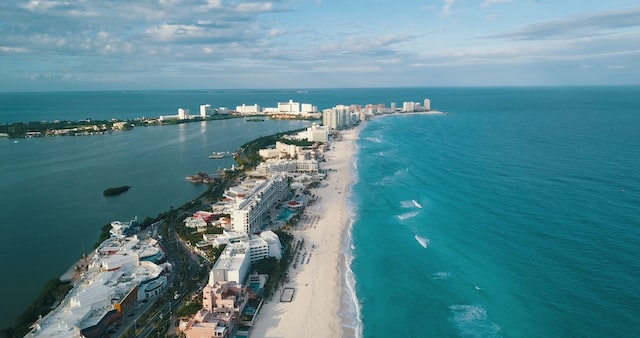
pixel 365 45
pixel 122 26
pixel 256 7
pixel 217 41
pixel 446 9
pixel 576 27
pixel 12 50
pixel 621 49
pixel 489 3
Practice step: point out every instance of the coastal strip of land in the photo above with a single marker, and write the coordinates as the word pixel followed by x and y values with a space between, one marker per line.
pixel 316 275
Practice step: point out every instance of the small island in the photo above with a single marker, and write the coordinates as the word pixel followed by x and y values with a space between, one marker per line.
pixel 114 191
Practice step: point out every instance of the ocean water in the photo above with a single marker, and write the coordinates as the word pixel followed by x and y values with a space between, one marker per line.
pixel 517 214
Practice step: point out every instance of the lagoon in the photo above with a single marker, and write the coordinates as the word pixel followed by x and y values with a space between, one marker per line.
pixel 52 202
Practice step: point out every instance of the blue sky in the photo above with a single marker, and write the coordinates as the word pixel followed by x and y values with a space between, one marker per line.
pixel 185 44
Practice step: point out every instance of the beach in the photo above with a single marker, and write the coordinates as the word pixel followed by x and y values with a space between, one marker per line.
pixel 318 280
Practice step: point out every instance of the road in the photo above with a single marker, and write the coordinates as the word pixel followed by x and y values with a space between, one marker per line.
pixel 178 254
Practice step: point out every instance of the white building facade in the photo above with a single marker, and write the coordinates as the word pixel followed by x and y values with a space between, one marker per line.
pixel 289 107
pixel 183 113
pixel 253 199
pixel 205 110
pixel 317 133
pixel 248 110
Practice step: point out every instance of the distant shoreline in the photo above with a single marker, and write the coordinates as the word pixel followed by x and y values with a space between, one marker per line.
pixel 37 129
pixel 427 112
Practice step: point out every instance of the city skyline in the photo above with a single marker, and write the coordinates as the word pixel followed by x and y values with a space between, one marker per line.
pixel 189 44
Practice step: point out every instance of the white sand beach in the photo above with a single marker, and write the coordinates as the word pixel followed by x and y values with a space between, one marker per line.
pixel 318 281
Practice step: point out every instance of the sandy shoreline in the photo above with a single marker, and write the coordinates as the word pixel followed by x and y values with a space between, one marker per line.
pixel 318 282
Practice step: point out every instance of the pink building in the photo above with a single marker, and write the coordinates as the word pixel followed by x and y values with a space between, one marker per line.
pixel 222 304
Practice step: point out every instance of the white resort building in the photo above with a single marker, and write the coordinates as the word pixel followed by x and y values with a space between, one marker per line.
pixel 248 110
pixel 205 110
pixel 288 166
pixel 108 284
pixel 253 199
pixel 262 245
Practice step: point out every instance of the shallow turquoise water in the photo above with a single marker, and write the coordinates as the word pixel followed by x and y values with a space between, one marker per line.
pixel 530 202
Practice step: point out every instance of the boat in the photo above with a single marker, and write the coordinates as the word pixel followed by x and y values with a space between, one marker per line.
pixel 200 177
pixel 218 155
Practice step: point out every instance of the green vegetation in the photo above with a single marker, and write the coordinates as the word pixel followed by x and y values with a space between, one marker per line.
pixel 190 308
pixel 248 155
pixel 300 143
pixel 293 117
pixel 114 191
pixel 104 234
pixel 198 119
pixel 45 128
pixel 52 294
pixel 88 126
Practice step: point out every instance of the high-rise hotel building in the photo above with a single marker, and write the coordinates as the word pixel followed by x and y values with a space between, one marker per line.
pixel 253 199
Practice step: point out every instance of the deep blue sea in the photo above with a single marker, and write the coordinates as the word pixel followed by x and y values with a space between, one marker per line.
pixel 517 214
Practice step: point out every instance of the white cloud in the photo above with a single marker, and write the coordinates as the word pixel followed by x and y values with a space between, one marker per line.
pixel 255 7
pixel 365 44
pixel 446 9
pixel 11 50
pixel 214 3
pixel 137 40
pixel 489 3
pixel 576 26
pixel 168 32
pixel 41 5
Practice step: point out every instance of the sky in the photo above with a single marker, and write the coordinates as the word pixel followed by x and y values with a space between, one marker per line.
pixel 224 44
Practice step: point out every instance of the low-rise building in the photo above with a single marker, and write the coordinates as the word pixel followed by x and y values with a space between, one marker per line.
pixel 222 304
pixel 248 110
pixel 287 166
pixel 232 265
pixel 317 133
pixel 109 282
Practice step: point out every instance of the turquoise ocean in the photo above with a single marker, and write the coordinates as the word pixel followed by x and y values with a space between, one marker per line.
pixel 516 214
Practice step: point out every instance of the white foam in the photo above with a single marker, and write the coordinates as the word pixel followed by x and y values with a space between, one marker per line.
pixel 406 204
pixel 440 275
pixel 416 204
pixel 401 172
pixel 410 204
pixel 423 241
pixel 473 321
pixel 407 215
pixel 350 306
